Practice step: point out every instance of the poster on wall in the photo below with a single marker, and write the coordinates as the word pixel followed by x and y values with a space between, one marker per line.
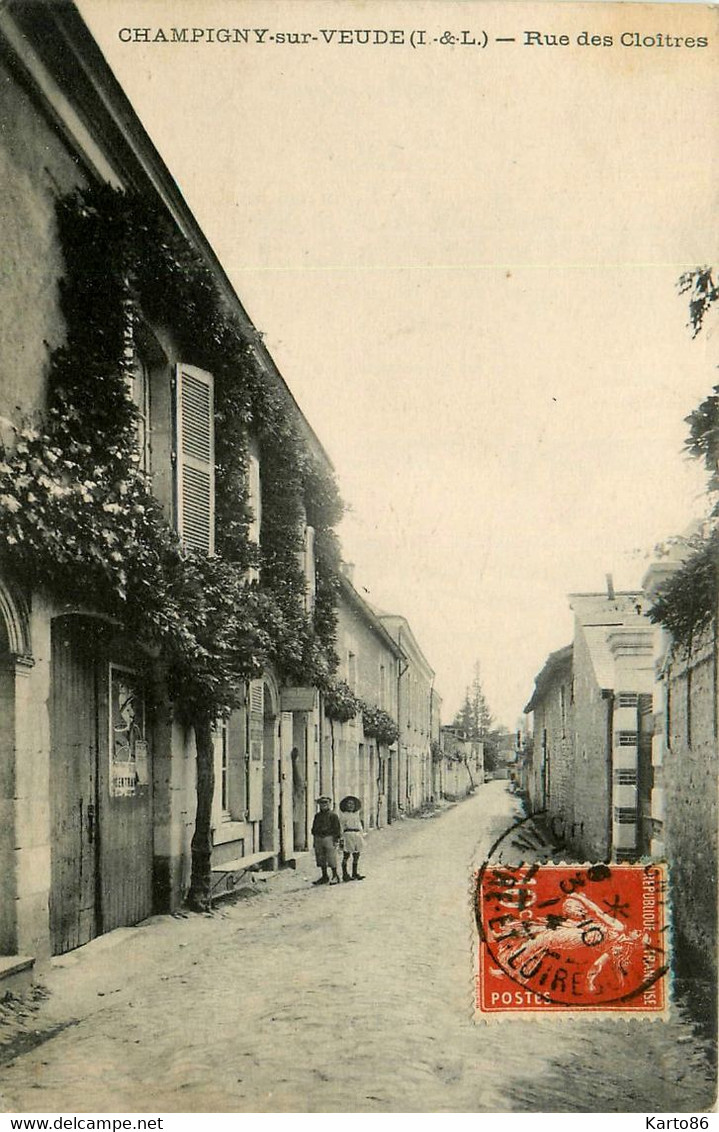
pixel 128 746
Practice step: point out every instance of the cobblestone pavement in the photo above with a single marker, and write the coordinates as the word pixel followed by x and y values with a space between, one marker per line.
pixel 351 998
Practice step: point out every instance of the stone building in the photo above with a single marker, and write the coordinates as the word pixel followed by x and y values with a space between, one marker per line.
pixel 613 681
pixel 548 776
pixel 98 765
pixel 370 663
pixel 97 772
pixel 413 786
pixel 591 763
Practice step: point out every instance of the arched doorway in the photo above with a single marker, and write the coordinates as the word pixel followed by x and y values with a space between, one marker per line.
pixel 23 783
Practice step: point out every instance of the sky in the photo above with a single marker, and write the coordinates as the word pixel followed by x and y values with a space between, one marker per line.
pixel 464 262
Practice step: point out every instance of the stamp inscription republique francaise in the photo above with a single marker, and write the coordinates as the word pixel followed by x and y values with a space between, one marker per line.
pixel 562 937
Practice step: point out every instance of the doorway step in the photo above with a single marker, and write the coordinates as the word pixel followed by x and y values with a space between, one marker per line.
pixel 301 857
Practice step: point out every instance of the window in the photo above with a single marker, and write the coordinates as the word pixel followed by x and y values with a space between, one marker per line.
pixel 229 740
pixel 352 671
pixel 309 569
pixel 195 459
pixel 627 738
pixel 626 777
pixel 382 686
pixel 138 384
pixel 625 815
pixel 627 699
pixel 254 500
pixel 222 765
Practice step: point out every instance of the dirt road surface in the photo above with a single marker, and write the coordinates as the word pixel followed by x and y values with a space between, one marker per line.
pixel 352 998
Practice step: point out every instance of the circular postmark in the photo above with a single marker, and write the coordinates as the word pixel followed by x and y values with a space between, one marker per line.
pixel 585 936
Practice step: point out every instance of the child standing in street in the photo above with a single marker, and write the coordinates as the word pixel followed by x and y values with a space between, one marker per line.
pixel 326 834
pixel 352 836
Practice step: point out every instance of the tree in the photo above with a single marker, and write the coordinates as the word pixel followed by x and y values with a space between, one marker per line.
pixel 482 718
pixel 703 439
pixel 687 603
pixel 474 716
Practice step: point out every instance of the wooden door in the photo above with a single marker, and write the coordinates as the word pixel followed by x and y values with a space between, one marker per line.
pixel 73 788
pixel 287 841
pixel 300 774
pixel 125 798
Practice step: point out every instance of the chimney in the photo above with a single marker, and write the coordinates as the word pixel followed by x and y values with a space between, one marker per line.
pixel 610 587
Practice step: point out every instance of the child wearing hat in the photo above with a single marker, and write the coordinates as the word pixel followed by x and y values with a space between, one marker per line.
pixel 352 836
pixel 326 834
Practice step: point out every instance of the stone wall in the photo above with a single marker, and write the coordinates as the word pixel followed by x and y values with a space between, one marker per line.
pixel 690 769
pixel 35 168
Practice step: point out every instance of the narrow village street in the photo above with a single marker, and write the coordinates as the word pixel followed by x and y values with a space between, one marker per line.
pixel 349 998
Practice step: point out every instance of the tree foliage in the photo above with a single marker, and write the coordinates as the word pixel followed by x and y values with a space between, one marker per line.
pixel 474 717
pixel 703 439
pixel 688 601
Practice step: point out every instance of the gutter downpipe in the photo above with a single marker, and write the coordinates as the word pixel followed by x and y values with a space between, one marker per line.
pixel 400 673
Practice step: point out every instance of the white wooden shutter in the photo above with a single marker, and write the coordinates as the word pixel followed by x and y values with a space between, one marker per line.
pixel 195 455
pixel 256 715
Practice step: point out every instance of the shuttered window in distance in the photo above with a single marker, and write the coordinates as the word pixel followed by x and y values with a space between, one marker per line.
pixel 195 451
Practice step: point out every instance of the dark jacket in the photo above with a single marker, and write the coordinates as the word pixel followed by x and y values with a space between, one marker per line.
pixel 326 824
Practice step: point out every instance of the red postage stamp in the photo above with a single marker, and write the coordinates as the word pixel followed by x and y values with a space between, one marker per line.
pixel 572 938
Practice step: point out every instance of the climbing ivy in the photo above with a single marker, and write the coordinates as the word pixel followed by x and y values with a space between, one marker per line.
pixel 342 705
pixel 340 702
pixel 77 515
pixel 379 725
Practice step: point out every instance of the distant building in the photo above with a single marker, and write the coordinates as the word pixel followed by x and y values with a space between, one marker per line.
pixel 414 705
pixel 591 764
pixel 370 664
pixel 548 781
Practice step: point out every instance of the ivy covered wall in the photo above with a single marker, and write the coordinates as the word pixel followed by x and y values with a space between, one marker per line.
pixel 77 516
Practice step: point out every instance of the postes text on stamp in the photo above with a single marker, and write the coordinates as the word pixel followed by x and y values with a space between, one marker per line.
pixel 572 938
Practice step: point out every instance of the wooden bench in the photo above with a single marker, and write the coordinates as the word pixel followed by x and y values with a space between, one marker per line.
pixel 230 874
pixel 16 974
pixel 243 863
